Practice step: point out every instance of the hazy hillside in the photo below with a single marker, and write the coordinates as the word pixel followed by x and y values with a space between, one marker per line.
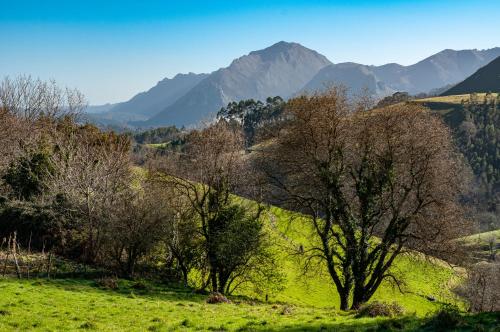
pixel 486 79
pixel 96 109
pixel 436 71
pixel 146 104
pixel 279 70
pixel 352 75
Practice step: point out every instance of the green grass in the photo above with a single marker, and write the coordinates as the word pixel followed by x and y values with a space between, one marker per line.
pixel 54 305
pixel 479 244
pixel 72 305
pixel 454 99
pixel 482 238
pixel 158 145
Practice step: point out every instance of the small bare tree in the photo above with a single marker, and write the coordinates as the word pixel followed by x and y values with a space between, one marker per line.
pixel 32 99
pixel 374 183
pixel 29 110
pixel 206 175
pixel 482 287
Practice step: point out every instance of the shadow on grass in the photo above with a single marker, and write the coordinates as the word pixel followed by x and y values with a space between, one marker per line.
pixel 133 289
pixel 467 322
pixel 126 289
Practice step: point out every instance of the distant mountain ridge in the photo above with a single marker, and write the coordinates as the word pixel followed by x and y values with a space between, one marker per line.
pixel 146 104
pixel 287 69
pixel 486 79
pixel 445 68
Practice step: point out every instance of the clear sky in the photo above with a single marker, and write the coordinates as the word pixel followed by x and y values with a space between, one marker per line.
pixel 111 50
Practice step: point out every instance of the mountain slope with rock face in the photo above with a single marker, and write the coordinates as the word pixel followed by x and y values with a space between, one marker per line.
pixel 355 77
pixel 279 70
pixel 441 69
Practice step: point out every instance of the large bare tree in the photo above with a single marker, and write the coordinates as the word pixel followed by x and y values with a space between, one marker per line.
pixel 374 183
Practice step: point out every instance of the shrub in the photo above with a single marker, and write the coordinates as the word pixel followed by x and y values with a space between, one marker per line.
pixel 140 285
pixel 376 308
pixel 446 318
pixel 107 283
pixel 217 298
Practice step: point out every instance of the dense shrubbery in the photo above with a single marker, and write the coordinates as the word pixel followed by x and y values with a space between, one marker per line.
pixel 482 287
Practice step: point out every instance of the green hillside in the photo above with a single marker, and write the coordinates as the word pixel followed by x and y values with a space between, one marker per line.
pixel 423 278
pixel 475 123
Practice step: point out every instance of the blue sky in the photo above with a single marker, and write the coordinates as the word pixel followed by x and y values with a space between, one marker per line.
pixel 111 50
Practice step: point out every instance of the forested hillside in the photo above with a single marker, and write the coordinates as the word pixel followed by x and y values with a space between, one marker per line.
pixel 475 122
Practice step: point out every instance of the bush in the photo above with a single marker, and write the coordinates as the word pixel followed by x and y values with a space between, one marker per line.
pixel 217 298
pixel 376 309
pixel 140 285
pixel 446 318
pixel 287 310
pixel 107 283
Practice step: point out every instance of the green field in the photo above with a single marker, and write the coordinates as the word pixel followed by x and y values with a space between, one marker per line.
pixel 305 303
pixel 72 305
pixel 482 238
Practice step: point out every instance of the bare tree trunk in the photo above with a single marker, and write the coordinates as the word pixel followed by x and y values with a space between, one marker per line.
pixel 14 254
pixel 49 263
pixel 344 300
pixel 6 257
pixel 28 265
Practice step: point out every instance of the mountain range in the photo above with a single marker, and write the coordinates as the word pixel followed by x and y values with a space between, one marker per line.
pixel 284 69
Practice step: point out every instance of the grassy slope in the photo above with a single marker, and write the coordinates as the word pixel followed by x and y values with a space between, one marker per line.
pixel 453 99
pixel 479 244
pixel 482 238
pixel 449 107
pixel 422 277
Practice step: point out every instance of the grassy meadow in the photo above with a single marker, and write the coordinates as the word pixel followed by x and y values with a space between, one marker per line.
pixel 75 305
pixel 305 303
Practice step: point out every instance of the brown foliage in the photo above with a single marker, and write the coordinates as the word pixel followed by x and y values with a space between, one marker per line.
pixel 390 173
pixel 482 287
pixel 376 309
pixel 215 298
